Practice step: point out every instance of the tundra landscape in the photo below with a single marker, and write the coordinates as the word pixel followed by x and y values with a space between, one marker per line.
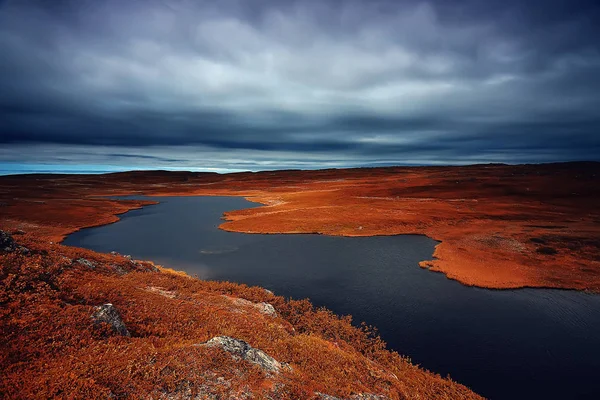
pixel 74 320
pixel 299 199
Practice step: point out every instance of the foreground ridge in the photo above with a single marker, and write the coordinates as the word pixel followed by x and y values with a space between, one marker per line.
pixel 81 324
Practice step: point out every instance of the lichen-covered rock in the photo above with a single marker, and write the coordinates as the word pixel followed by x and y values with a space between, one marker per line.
pixel 240 349
pixel 85 263
pixel 107 313
pixel 267 309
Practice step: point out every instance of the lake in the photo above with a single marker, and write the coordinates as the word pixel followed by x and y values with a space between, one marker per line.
pixel 504 344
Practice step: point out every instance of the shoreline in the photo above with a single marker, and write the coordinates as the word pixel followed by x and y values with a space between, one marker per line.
pixel 422 264
pixel 495 243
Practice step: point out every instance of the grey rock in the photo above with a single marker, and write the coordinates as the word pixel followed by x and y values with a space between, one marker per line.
pixel 267 309
pixel 7 243
pixel 85 263
pixel 240 349
pixel 107 313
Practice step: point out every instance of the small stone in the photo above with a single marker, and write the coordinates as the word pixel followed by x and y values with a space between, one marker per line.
pixel 107 313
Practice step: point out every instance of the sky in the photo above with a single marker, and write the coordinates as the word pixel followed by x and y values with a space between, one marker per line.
pixel 232 85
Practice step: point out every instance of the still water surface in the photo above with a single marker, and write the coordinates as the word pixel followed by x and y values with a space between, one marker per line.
pixel 509 344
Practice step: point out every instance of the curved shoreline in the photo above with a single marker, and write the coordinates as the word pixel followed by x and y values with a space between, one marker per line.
pixel 495 231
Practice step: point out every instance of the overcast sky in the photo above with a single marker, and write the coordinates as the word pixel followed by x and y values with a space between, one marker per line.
pixel 252 85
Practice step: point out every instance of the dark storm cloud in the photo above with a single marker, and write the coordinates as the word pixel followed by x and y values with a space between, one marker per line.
pixel 266 84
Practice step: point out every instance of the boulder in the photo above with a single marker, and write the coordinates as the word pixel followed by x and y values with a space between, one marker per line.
pixel 7 243
pixel 240 349
pixel 107 313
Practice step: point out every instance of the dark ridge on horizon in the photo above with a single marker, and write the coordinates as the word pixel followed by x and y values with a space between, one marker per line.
pixel 188 174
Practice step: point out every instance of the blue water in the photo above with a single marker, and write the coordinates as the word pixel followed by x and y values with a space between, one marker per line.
pixel 511 344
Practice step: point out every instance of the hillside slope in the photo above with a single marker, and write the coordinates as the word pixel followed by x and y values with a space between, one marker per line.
pixel 80 324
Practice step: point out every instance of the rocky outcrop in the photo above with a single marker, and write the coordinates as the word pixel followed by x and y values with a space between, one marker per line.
pixel 242 350
pixel 107 313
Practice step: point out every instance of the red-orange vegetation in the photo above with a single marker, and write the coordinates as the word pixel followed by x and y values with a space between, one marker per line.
pixel 51 347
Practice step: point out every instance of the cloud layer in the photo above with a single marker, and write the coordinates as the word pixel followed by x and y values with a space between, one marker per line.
pixel 271 84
